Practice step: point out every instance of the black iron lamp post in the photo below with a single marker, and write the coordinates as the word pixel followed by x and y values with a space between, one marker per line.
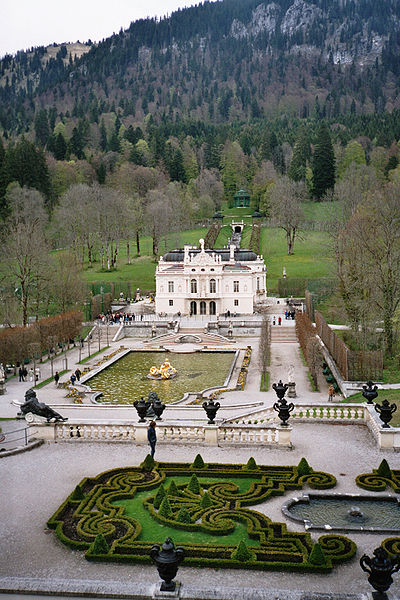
pixel 283 409
pixel 385 411
pixel 370 392
pixel 167 560
pixel 211 409
pixel 141 406
pixel 380 569
pixel 280 389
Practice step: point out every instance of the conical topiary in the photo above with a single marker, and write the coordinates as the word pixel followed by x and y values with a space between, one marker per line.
pixel 303 468
pixel 99 545
pixel 159 497
pixel 148 464
pixel 173 490
pixel 193 485
pixel 242 553
pixel 77 494
pixel 250 465
pixel 183 516
pixel 384 469
pixel 317 556
pixel 206 501
pixel 165 508
pixel 198 463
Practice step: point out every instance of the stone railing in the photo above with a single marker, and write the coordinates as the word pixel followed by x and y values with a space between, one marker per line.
pixel 345 414
pixel 169 433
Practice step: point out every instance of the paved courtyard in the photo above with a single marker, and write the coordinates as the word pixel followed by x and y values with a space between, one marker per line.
pixel 35 483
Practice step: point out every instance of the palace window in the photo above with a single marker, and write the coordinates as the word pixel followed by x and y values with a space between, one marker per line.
pixel 236 302
pixel 171 286
pixel 213 286
pixel 235 286
pixel 171 302
pixel 193 286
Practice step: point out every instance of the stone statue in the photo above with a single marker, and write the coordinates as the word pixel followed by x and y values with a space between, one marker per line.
pixel 33 406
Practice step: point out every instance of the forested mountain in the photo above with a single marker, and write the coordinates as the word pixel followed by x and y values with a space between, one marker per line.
pixel 218 62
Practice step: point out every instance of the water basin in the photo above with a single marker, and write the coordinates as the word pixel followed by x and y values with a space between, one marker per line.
pixel 126 379
pixel 348 512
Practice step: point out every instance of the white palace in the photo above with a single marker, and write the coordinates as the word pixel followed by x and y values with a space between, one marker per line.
pixel 196 281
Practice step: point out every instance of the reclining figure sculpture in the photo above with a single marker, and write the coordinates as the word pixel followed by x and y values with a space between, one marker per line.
pixel 32 405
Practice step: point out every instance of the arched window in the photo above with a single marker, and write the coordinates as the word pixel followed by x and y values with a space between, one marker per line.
pixel 213 286
pixel 212 308
pixel 203 308
pixel 193 286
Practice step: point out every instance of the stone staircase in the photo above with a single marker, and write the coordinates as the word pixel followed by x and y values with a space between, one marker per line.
pixel 281 334
pixel 190 335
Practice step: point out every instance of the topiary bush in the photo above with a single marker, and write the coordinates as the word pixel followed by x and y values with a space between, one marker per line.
pixel 99 545
pixel 161 493
pixel 303 468
pixel 251 465
pixel 317 556
pixel 242 553
pixel 198 462
pixel 165 508
pixel 184 516
pixel 380 478
pixel 193 485
pixel 148 464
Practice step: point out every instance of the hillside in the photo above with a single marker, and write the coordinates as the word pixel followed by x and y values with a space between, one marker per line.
pixel 218 62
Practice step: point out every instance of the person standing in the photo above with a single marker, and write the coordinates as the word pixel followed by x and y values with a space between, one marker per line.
pixel 78 374
pixel 31 374
pixel 331 393
pixel 279 320
pixel 152 437
pixel 56 378
pixel 24 374
pixel 20 374
pixel 73 378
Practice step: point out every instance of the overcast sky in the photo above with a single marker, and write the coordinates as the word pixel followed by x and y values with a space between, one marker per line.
pixel 26 23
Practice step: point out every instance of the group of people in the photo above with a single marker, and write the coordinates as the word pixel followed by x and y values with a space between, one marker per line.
pixel 33 375
pixel 118 318
pixel 76 376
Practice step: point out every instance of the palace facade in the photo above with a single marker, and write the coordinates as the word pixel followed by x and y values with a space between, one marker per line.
pixel 196 281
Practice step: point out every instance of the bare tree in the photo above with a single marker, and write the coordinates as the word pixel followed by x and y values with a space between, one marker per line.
pixel 24 248
pixel 286 211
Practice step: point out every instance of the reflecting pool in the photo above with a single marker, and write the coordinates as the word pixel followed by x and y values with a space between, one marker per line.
pixel 126 380
pixel 355 513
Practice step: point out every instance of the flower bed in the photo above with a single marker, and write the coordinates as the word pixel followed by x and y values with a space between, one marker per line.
pixel 118 515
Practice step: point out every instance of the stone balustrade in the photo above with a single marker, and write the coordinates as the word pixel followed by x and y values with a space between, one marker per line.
pixel 170 433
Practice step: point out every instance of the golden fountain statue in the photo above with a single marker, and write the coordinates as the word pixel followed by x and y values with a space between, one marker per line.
pixel 166 371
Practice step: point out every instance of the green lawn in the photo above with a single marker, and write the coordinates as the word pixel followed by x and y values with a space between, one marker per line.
pixel 311 258
pixel 141 271
pixel 320 211
pixel 392 395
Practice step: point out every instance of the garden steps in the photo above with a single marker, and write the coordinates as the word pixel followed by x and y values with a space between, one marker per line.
pixel 281 334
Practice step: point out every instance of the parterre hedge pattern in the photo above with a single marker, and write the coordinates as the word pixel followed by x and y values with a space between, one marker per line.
pixel 380 478
pixel 91 520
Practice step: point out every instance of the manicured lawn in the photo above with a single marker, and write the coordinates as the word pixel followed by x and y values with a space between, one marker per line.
pixel 311 258
pixel 223 236
pixel 392 395
pixel 320 211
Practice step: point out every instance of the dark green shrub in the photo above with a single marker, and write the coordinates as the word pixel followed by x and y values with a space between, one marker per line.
pixel 148 464
pixel 303 468
pixel 165 508
pixel 242 553
pixel 317 556
pixel 206 501
pixel 99 545
pixel 193 485
pixel 161 493
pixel 77 494
pixel 183 516
pixel 251 465
pixel 198 463
pixel 384 470
pixel 173 490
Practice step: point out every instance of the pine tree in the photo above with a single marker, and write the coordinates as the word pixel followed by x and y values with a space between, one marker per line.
pixel 323 163
pixel 60 147
pixel 301 155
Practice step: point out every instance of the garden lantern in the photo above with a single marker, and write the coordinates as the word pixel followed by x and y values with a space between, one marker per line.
pixel 380 569
pixel 370 392
pixel 167 560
